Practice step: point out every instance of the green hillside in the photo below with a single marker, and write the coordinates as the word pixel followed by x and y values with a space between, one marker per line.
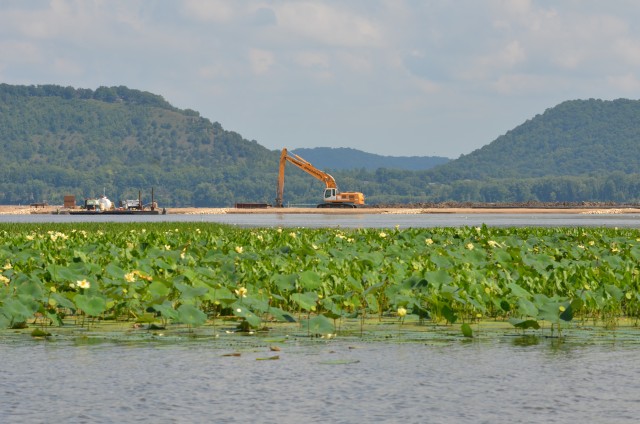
pixel 58 141
pixel 578 137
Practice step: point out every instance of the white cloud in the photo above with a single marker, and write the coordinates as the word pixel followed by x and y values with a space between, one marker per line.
pixel 627 83
pixel 210 10
pixel 332 26
pixel 67 68
pixel 261 61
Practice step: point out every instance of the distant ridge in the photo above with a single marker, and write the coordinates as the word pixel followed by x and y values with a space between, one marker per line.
pixel 348 158
pixel 574 138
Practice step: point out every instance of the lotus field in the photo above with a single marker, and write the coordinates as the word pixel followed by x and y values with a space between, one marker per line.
pixel 195 274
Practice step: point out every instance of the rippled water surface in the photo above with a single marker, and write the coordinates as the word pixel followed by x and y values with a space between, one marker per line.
pixel 360 220
pixel 503 380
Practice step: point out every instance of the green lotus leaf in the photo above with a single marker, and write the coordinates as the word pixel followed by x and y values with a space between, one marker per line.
pixel 518 291
pixel 114 271
pixel 306 301
pixel 567 314
pixel 190 315
pixel 166 310
pixel 190 292
pixel 285 282
pixel 19 309
pixel 527 308
pixel 31 289
pixel 441 262
pixel 241 311
pixel 158 289
pixel 524 324
pixel 438 278
pixel 310 280
pixel 449 314
pixel 318 325
pixel 222 294
pixel 90 305
pixel 63 274
pixel 466 329
pixel 614 291
pixel 280 315
pixel 503 257
pixel 63 301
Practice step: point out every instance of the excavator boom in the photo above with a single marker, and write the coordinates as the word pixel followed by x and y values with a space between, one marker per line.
pixel 331 196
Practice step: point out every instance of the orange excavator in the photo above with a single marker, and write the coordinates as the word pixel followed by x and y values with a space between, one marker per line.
pixel 333 198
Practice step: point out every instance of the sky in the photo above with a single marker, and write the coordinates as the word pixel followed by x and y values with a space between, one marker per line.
pixel 390 77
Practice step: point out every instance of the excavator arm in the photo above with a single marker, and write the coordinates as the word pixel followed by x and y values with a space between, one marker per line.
pixel 285 157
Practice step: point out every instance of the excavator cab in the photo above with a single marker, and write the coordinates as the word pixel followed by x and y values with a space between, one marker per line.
pixel 329 194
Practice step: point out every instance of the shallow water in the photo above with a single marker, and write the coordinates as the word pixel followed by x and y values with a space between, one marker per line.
pixel 360 220
pixel 343 380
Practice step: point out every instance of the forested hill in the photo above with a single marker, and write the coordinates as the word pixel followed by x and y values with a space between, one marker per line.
pixel 347 158
pixel 60 140
pixel 578 137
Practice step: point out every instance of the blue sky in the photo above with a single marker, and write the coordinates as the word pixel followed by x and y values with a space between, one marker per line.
pixel 392 77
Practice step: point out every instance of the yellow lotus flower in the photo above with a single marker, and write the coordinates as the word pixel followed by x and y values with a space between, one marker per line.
pixel 83 284
pixel 469 246
pixel 562 308
pixel 241 292
pixel 428 241
pixel 239 249
pixel 130 277
pixel 402 312
pixel 382 234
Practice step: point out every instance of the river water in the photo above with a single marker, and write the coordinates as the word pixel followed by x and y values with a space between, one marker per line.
pixel 336 381
pixel 343 380
pixel 359 220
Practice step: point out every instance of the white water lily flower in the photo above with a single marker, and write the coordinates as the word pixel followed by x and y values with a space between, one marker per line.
pixel 83 284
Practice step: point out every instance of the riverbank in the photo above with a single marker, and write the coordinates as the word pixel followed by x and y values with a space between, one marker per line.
pixel 489 209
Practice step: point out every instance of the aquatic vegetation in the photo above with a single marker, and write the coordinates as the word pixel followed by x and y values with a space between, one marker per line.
pixel 193 274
